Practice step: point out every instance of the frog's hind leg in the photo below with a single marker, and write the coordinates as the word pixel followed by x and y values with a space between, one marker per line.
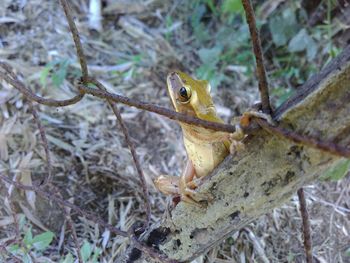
pixel 187 185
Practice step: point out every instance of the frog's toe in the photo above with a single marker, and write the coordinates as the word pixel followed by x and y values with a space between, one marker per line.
pixel 199 199
pixel 236 147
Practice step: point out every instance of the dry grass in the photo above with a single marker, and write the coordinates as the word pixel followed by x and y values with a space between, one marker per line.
pixel 92 165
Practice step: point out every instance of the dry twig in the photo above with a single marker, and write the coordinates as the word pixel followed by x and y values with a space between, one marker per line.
pixel 133 153
pixel 77 42
pixel 48 178
pixel 306 226
pixel 85 79
pixel 263 84
pixel 328 147
pixel 53 197
pixel 30 95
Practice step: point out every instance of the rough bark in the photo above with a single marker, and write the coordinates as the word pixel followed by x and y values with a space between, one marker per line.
pixel 267 173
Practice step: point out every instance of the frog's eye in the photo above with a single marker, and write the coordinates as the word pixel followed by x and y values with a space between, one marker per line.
pixel 184 94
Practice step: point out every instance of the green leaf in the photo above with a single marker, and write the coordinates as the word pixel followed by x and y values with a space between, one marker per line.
pixel 200 30
pixel 347 252
pixel 21 221
pixel 97 253
pixel 26 258
pixel 303 41
pixel 46 72
pixel 232 6
pixel 201 33
pixel 283 27
pixel 28 238
pixel 68 258
pixel 210 55
pixel 338 171
pixel 211 5
pixel 42 241
pixel 282 94
pixel 60 74
pixel 43 75
pixel 291 257
pixel 299 42
pixel 86 251
pixel 311 49
pixel 13 248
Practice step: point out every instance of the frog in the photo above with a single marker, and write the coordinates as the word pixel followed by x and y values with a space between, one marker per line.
pixel 205 148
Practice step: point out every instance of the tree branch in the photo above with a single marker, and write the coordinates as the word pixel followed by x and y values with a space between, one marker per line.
pixel 267 173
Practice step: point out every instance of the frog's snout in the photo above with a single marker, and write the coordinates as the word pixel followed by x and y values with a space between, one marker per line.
pixel 172 75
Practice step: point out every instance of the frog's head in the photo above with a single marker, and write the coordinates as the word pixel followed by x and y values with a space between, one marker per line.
pixel 191 96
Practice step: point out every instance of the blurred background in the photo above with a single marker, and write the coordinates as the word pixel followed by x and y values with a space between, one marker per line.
pixel 130 47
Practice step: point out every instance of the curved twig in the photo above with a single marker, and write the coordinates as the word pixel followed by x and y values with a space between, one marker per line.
pixel 30 95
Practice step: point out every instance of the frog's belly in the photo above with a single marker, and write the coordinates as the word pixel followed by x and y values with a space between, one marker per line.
pixel 205 156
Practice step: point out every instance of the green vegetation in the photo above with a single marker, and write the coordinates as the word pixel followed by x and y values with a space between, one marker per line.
pixel 35 246
pixel 223 41
pixel 337 171
pixel 88 254
pixel 56 70
pixel 30 244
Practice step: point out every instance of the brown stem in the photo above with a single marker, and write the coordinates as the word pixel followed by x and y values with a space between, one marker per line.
pixel 133 153
pixel 156 109
pixel 329 147
pixel 263 84
pixel 306 226
pixel 77 42
pixel 290 135
pixel 74 233
pixel 30 95
pixel 70 223
pixel 48 178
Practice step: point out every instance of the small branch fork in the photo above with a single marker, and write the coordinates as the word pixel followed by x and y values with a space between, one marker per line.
pixel 329 147
pixel 8 75
pixel 266 108
pixel 85 78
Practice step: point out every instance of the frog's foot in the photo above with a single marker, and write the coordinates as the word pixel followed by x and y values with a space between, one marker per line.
pixel 189 195
pixel 167 184
pixel 236 146
pixel 248 115
pixel 245 120
pixel 198 199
